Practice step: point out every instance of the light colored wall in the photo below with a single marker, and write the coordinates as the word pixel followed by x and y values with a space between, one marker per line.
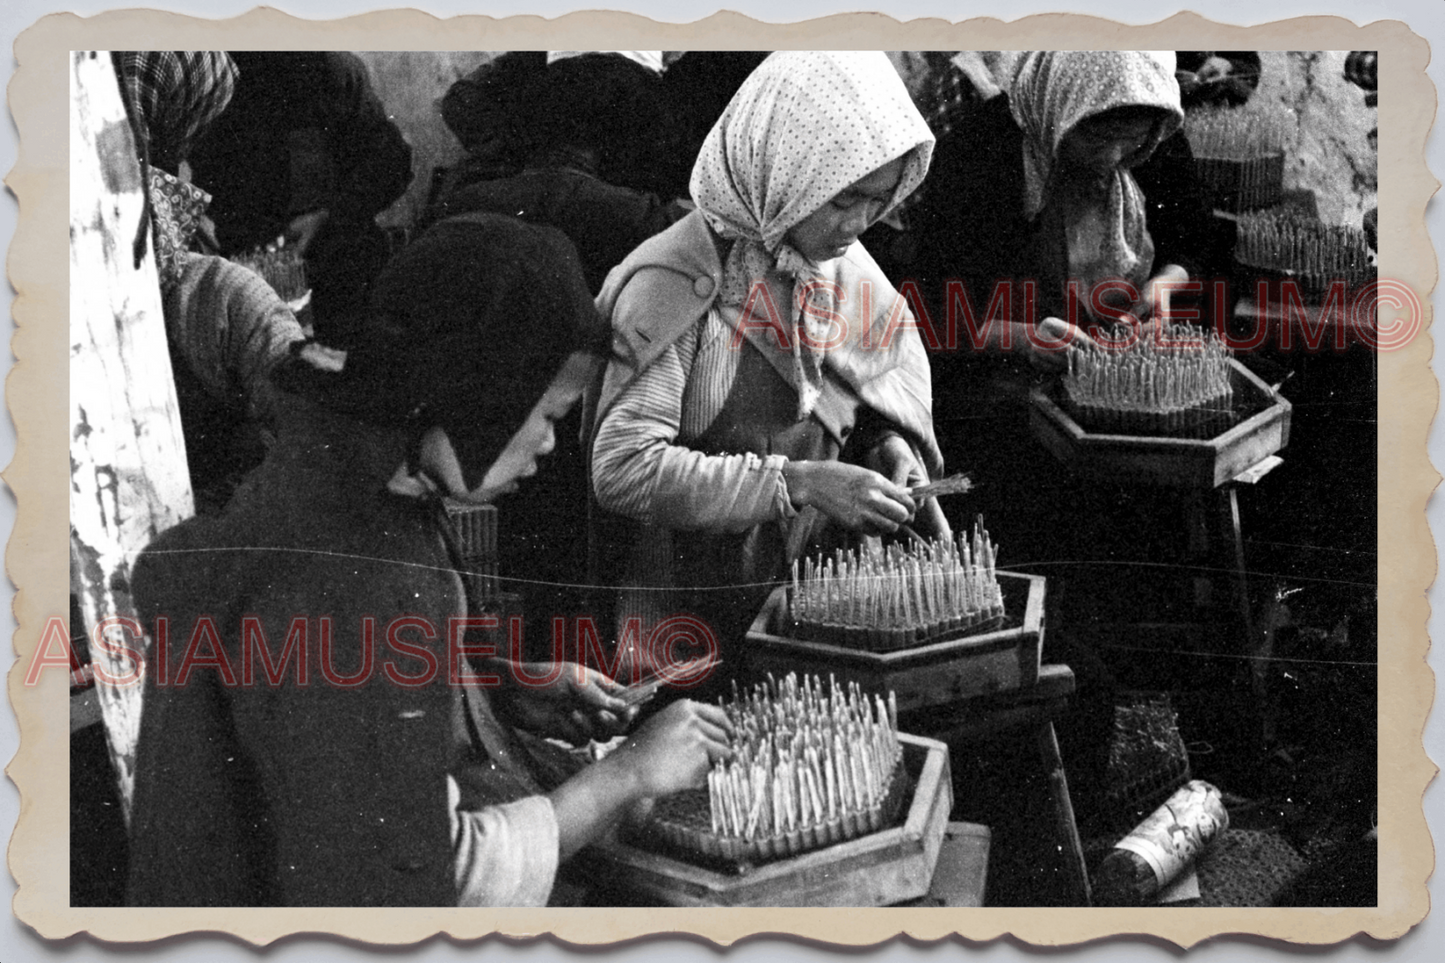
pixel 411 85
pixel 1327 149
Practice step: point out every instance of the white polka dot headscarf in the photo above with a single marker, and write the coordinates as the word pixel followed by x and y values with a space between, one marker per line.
pixel 1052 93
pixel 803 127
pixel 1054 90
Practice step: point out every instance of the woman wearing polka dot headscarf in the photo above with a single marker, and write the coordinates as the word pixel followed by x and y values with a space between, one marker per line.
pixel 1078 173
pixel 769 390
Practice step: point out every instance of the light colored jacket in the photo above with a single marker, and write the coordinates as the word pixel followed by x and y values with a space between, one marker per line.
pixel 670 281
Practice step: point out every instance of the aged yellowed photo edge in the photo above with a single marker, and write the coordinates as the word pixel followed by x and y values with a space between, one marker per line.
pixel 37 557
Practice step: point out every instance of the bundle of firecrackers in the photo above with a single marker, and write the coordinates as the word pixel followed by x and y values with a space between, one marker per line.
pixel 1167 371
pixel 883 598
pixel 284 269
pixel 1224 133
pixel 1239 155
pixel 810 766
pixel 1294 244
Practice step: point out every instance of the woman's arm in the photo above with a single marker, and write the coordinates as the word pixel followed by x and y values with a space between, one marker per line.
pixel 639 470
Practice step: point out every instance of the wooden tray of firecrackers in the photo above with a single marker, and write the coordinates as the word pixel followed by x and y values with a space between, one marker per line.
pixel 1253 425
pixel 883 866
pixel 997 654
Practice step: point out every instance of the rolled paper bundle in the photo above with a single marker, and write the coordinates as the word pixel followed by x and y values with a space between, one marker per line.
pixel 1162 846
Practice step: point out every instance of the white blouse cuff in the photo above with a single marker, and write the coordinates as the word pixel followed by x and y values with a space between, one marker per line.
pixel 781 499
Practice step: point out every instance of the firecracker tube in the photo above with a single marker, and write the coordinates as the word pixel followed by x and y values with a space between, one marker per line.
pixel 1160 848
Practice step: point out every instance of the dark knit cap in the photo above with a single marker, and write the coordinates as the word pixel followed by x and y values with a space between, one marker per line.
pixel 467 328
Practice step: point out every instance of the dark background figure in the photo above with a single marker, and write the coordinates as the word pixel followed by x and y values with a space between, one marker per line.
pixel 1216 77
pixel 698 86
pixel 616 106
pixel 583 135
pixel 494 113
pixel 305 151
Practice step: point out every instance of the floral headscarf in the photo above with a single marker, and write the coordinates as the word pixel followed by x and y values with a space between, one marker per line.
pixel 1052 93
pixel 803 127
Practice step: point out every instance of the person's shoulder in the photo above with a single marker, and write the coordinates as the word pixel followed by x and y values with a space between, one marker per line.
pixel 686 246
pixel 176 561
pixel 616 200
pixel 661 289
pixel 857 266
pixel 344 65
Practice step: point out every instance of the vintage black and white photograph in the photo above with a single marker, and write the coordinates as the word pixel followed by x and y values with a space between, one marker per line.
pixel 697 485
pixel 723 478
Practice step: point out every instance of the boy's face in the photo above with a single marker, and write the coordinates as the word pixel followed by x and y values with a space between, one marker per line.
pixel 537 436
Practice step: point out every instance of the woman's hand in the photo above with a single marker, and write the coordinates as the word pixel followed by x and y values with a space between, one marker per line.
pixel 579 705
pixel 860 499
pixel 894 459
pixel 1056 335
pixel 674 749
pixel 1154 301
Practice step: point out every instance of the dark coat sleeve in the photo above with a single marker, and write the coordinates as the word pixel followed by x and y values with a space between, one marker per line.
pixel 1184 230
pixel 279 793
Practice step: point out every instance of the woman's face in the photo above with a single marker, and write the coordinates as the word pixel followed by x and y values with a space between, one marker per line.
pixel 830 230
pixel 1101 145
pixel 537 436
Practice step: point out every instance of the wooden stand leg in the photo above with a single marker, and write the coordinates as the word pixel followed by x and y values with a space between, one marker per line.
pixel 1229 524
pixel 1066 829
pixel 1254 643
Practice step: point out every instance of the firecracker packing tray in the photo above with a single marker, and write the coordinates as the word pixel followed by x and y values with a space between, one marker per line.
pixel 1257 426
pixel 996 656
pixel 681 822
pixel 890 865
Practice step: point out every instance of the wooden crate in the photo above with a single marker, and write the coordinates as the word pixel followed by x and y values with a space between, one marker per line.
pixel 1176 462
pixel 927 675
pixel 880 869
pixel 961 875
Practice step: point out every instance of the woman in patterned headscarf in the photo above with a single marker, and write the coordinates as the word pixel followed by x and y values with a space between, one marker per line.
pixel 767 381
pixel 1078 173
pixel 1088 118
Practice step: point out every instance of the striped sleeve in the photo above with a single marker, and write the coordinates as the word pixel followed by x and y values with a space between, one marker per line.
pixel 640 468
